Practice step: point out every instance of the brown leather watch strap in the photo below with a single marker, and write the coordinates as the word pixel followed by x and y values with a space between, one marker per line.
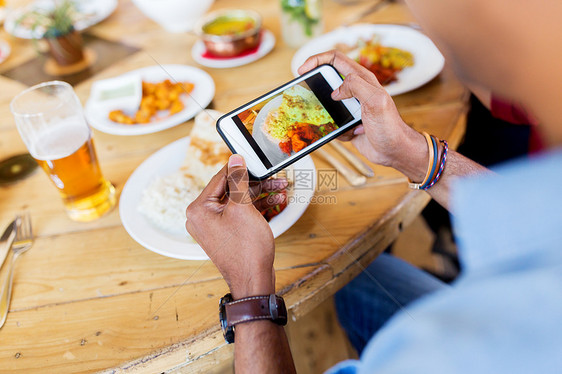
pixel 268 307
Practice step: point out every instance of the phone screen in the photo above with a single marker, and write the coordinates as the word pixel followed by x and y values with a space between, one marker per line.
pixel 286 123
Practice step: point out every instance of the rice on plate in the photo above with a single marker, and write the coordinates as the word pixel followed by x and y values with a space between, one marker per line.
pixel 164 201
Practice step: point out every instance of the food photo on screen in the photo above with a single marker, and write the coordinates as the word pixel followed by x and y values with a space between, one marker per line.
pixel 288 122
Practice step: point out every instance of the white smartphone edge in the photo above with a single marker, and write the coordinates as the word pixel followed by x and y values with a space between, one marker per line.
pixel 236 141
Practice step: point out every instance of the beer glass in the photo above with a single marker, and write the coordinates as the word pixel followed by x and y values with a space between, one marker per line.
pixel 51 123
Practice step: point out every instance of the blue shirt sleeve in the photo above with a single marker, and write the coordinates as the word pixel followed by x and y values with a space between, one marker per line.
pixel 502 315
pixel 344 367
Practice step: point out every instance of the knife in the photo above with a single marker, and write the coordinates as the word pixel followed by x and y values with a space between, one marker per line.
pixel 353 159
pixel 372 9
pixel 354 178
pixel 7 240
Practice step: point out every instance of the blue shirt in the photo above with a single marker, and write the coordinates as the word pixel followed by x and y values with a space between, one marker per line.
pixel 504 313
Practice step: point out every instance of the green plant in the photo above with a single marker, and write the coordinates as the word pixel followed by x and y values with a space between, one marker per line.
pixel 51 23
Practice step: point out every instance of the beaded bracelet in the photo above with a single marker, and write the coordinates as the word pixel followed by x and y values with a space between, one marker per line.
pixel 432 147
pixel 441 166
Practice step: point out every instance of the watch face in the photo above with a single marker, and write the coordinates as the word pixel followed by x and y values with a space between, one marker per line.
pixel 222 313
pixel 228 332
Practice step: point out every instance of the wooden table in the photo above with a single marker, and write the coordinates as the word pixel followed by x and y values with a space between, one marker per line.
pixel 88 298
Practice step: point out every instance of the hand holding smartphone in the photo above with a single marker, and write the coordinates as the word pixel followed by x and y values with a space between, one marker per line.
pixel 282 126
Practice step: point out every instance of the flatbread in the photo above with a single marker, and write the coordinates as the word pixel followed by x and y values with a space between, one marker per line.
pixel 207 153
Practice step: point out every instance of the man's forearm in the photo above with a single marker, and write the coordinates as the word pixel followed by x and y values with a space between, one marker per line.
pixel 262 347
pixel 457 166
pixel 412 161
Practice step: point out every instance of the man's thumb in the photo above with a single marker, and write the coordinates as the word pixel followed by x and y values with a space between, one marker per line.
pixel 238 180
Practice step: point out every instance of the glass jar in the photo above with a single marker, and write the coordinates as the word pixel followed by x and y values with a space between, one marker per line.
pixel 301 21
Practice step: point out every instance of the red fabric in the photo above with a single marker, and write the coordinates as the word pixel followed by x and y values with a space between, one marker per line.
pixel 516 114
pixel 209 55
pixel 510 112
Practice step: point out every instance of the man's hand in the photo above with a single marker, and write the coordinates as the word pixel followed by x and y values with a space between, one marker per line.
pixel 383 137
pixel 233 233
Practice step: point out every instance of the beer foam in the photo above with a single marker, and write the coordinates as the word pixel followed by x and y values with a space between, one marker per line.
pixel 60 140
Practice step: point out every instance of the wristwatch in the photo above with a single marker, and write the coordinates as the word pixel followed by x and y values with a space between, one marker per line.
pixel 253 308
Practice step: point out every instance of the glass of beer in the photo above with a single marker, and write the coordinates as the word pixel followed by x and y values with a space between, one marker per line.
pixel 51 123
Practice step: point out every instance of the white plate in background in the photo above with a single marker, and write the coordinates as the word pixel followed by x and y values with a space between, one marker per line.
pixel 428 61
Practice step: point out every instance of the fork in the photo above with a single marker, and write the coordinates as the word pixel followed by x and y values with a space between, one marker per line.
pixel 23 241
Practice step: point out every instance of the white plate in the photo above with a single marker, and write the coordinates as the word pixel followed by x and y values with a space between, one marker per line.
pixel 168 160
pixel 196 101
pixel 5 50
pixel 428 61
pixel 90 13
pixel 266 45
pixel 271 149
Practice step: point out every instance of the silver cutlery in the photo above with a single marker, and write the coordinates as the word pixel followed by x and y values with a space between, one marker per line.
pixel 372 9
pixel 7 239
pixel 357 163
pixel 23 241
pixel 354 178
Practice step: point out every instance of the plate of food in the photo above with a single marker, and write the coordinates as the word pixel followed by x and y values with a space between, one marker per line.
pixel 149 100
pixel 402 58
pixel 23 22
pixel 153 202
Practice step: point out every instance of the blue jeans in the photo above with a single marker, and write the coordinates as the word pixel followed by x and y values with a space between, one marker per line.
pixel 384 288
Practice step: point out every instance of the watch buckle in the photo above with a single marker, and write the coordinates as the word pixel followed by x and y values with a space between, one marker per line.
pixel 273 310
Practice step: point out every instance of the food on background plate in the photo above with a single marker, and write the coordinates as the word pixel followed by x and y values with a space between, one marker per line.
pixel 230 32
pixel 227 25
pixel 385 62
pixel 299 121
pixel 156 97
pixel 269 213
pixel 164 201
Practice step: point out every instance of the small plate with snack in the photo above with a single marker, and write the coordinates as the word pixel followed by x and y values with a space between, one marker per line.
pixel 153 202
pixel 148 100
pixel 401 58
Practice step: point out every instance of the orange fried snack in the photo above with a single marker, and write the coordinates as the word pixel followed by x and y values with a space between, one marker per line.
pixel 164 95
pixel 120 117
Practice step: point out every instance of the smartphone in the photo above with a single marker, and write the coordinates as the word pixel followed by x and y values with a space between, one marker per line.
pixel 282 126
